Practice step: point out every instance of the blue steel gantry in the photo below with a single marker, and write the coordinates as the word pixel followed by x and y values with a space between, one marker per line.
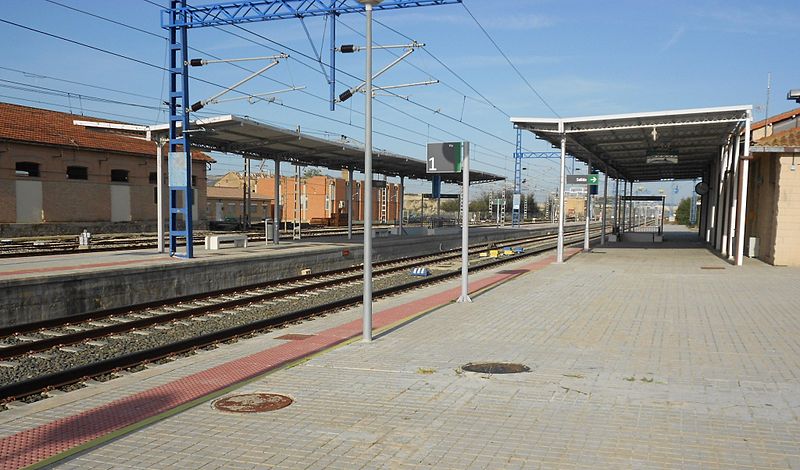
pixel 518 156
pixel 177 20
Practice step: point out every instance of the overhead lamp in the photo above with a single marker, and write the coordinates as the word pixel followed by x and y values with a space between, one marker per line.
pixel 794 95
pixel 662 156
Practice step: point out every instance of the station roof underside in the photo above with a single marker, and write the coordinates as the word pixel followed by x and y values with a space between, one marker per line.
pixel 252 139
pixel 651 146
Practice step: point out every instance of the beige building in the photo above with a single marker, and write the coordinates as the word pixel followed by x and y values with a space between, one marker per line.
pixel 54 173
pixel 772 224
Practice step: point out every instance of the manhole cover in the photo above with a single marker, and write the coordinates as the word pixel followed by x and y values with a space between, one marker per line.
pixel 495 367
pixel 253 403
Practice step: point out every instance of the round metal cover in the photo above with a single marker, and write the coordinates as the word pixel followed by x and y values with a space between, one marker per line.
pixel 495 367
pixel 253 403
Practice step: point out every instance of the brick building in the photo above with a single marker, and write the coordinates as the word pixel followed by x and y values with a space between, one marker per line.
pixel 772 224
pixel 56 177
pixel 323 198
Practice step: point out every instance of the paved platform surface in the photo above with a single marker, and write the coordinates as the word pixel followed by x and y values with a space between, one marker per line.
pixel 640 357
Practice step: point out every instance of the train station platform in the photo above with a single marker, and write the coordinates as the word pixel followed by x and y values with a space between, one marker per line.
pixel 639 357
pixel 38 288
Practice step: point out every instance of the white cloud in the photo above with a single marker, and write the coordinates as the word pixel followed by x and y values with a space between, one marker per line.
pixel 676 36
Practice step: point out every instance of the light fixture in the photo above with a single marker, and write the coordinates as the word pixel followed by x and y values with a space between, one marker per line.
pixel 659 156
pixel 794 95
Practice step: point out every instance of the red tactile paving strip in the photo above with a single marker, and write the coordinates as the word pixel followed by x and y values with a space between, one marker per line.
pixel 79 266
pixel 34 445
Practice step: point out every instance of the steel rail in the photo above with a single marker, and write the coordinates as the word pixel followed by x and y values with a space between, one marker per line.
pixel 48 382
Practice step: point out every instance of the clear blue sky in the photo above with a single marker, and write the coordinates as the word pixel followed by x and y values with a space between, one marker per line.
pixel 584 57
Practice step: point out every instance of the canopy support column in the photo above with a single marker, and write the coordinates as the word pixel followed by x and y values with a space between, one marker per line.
pixel 616 205
pixel 561 182
pixel 349 203
pixel 623 207
pixel 743 183
pixel 734 181
pixel 400 202
pixel 276 232
pixel 605 206
pixel 588 210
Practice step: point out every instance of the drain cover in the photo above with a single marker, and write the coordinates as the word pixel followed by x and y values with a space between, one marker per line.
pixel 495 367
pixel 253 403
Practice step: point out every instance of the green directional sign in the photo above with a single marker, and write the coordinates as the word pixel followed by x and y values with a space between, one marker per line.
pixel 591 180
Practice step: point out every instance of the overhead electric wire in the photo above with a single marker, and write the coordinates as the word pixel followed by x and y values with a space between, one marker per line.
pixel 440 62
pixel 509 60
pixel 147 64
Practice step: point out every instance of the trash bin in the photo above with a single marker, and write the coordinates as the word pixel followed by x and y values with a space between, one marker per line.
pixel 269 230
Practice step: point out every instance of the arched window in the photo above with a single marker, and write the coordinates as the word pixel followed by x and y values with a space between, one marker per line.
pixel 29 169
pixel 77 173
pixel 119 176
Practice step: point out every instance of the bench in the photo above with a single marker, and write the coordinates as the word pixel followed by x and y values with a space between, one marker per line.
pixel 213 241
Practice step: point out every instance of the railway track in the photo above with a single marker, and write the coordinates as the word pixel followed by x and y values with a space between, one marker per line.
pixel 55 245
pixel 47 355
pixel 11 248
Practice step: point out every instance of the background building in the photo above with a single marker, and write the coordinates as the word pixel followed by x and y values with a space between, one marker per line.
pixel 772 224
pixel 57 177
pixel 323 199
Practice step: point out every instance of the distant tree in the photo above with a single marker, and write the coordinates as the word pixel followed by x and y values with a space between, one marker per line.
pixel 682 214
pixel 312 172
pixel 450 205
pixel 480 204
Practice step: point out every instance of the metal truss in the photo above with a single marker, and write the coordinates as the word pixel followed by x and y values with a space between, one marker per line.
pixel 519 155
pixel 178 19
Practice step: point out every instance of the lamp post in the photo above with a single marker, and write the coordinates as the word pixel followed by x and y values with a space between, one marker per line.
pixel 367 328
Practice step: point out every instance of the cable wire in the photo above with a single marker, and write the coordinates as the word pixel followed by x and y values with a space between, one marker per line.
pixel 509 60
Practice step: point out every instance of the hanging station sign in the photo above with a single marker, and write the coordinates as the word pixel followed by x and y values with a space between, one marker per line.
pixel 445 157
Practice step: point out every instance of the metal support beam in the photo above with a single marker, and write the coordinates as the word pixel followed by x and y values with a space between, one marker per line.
pixel 464 297
pixel 519 154
pixel 180 185
pixel 367 323
pixel 177 19
pixel 588 210
pixel 249 11
pixel 605 206
pixel 401 202
pixel 276 232
pixel 743 186
pixel 734 183
pixel 349 203
pixel 561 183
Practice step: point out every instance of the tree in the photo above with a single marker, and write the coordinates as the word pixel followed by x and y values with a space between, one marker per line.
pixel 450 205
pixel 683 213
pixel 311 172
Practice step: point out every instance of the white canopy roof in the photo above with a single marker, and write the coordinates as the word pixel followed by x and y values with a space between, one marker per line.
pixel 678 144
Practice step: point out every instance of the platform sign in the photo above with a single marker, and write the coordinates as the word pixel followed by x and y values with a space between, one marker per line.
pixel 515 202
pixel 594 187
pixel 445 157
pixel 177 168
pixel 583 179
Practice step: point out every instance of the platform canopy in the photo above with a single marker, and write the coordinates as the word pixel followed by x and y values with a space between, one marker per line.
pixel 252 139
pixel 650 146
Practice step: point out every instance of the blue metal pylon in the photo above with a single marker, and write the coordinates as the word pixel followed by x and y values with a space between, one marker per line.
pixel 177 20
pixel 519 154
pixel 180 155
